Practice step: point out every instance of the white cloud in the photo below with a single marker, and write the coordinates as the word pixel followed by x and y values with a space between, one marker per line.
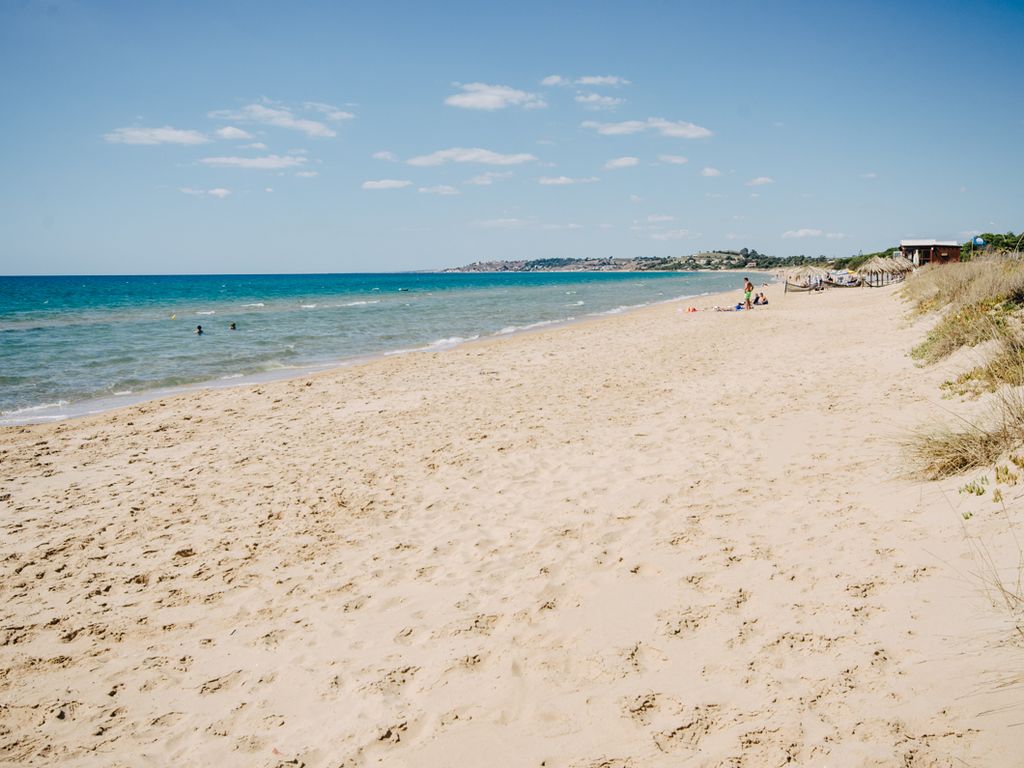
pixel 307 174
pixel 329 111
pixel 384 154
pixel 869 175
pixel 679 129
pixel 254 145
pixel 733 236
pixel 277 116
pixel 713 195
pixel 617 129
pixel 597 101
pixel 673 159
pixel 487 178
pixel 219 192
pixel 387 184
pixel 440 189
pixel 710 172
pixel 474 155
pixel 267 163
pixel 799 233
pixel 502 223
pixel 836 236
pixel 591 80
pixel 268 189
pixel 230 132
pixel 671 234
pixel 635 199
pixel 165 135
pixel 564 180
pixel 622 162
pixel 654 218
pixel 491 97
pixel 760 181
pixel 556 227
pixel 602 80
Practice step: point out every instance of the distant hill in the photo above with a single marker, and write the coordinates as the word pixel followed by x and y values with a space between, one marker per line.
pixel 706 260
pixel 745 258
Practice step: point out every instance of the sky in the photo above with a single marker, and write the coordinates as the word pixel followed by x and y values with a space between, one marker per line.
pixel 269 137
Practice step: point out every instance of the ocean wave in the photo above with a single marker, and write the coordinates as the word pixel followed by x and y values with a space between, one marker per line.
pixel 255 304
pixel 207 312
pixel 308 306
pixel 575 304
pixel 529 326
pixel 35 408
pixel 434 346
pixel 123 392
pixel 358 303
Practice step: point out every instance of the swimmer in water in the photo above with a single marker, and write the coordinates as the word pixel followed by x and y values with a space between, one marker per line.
pixel 232 327
pixel 199 330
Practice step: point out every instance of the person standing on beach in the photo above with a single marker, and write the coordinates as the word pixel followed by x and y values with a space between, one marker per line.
pixel 748 288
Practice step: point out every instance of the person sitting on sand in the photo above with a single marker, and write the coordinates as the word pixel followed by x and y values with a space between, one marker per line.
pixel 757 299
pixel 199 330
pixel 764 300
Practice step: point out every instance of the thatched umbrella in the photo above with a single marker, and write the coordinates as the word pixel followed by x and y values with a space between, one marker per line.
pixel 878 271
pixel 805 273
pixel 902 263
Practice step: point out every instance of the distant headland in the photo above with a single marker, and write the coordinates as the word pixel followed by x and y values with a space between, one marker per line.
pixel 709 260
pixel 745 258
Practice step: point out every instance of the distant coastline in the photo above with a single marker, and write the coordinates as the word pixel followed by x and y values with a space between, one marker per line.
pixel 715 261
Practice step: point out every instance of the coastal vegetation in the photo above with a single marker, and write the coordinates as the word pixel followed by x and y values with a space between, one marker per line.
pixel 980 301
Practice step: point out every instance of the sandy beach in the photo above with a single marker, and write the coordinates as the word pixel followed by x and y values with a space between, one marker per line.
pixel 653 539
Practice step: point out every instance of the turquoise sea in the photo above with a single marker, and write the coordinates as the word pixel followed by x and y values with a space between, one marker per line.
pixel 75 345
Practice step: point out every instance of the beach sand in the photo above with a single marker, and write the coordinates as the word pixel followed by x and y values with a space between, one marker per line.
pixel 654 539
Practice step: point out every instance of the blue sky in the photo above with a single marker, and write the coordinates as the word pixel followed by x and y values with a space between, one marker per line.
pixel 292 137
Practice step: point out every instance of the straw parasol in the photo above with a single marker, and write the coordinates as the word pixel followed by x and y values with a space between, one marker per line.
pixel 878 266
pixel 882 270
pixel 903 263
pixel 805 274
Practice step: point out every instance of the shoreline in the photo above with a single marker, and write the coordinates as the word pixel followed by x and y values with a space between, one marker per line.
pixel 655 538
pixel 99 405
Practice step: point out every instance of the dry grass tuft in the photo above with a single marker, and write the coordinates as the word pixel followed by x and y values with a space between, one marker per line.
pixel 1006 367
pixel 943 450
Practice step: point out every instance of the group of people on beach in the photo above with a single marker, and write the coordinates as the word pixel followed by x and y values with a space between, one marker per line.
pixel 750 299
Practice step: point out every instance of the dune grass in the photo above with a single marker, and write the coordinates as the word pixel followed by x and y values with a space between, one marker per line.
pixel 943 450
pixel 980 301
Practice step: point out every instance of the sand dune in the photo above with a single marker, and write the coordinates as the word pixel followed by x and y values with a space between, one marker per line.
pixel 655 539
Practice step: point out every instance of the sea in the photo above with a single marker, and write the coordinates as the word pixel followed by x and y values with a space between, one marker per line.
pixel 71 346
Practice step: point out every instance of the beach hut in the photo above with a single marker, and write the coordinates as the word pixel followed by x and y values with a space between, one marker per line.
pixel 879 271
pixel 921 252
pixel 805 278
